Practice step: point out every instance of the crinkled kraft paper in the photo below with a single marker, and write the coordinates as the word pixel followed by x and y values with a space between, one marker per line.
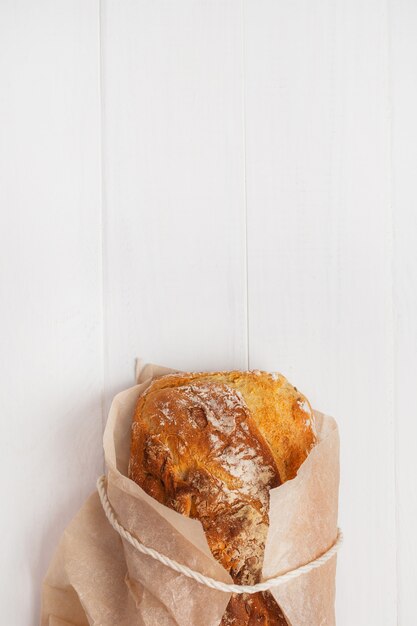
pixel 97 578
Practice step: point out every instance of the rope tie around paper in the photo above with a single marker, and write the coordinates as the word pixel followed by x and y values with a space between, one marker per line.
pixel 207 580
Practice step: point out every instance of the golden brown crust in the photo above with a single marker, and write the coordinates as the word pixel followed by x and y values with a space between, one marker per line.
pixel 282 413
pixel 257 609
pixel 196 449
pixel 211 446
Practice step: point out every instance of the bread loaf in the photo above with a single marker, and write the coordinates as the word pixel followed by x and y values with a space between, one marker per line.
pixel 211 446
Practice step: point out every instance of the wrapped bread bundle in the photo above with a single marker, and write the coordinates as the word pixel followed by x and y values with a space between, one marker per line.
pixel 229 473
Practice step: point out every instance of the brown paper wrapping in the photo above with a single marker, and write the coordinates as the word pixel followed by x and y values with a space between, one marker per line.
pixel 99 579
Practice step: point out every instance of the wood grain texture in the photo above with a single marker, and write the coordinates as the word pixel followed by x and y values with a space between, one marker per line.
pixel 319 254
pixel 50 427
pixel 403 22
pixel 173 174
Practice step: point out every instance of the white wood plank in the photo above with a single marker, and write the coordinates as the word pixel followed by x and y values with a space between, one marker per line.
pixel 173 172
pixel 50 452
pixel 319 254
pixel 404 161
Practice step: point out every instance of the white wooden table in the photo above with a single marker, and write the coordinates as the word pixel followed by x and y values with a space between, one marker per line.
pixel 222 184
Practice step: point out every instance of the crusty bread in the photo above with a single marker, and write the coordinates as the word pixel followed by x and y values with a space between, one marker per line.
pixel 211 446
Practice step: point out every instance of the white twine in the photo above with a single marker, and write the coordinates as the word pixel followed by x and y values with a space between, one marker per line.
pixel 207 580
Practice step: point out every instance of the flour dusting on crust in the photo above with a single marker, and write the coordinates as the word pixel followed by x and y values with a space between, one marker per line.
pixel 214 465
